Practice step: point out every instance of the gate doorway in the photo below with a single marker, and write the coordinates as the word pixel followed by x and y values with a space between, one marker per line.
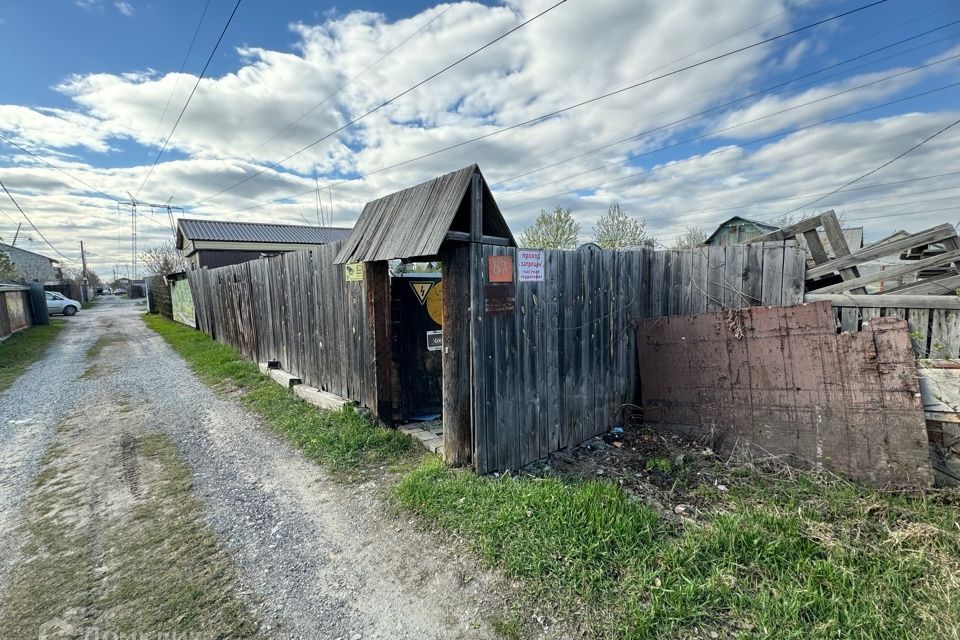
pixel 417 317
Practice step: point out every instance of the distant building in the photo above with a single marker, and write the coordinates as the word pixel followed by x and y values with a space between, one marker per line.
pixel 32 266
pixel 737 230
pixel 215 243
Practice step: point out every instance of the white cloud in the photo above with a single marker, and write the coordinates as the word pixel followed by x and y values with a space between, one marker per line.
pixel 573 52
pixel 124 7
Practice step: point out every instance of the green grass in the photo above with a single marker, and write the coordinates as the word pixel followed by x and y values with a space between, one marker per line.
pixel 89 303
pixel 153 569
pixel 343 440
pixel 22 349
pixel 778 557
pixel 784 559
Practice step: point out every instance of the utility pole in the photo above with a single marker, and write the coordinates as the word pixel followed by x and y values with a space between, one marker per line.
pixel 16 234
pixel 133 203
pixel 85 297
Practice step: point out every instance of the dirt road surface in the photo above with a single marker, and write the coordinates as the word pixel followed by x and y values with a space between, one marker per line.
pixel 315 558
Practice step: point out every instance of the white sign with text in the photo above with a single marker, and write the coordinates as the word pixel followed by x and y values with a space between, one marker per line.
pixel 529 265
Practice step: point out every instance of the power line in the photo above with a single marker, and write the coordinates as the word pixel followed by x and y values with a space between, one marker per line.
pixel 391 100
pixel 746 205
pixel 747 97
pixel 27 218
pixel 873 171
pixel 735 126
pixel 351 80
pixel 183 65
pixel 190 97
pixel 735 146
pixel 538 118
pixel 56 168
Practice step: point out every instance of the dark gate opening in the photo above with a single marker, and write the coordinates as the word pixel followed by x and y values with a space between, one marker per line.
pixel 417 316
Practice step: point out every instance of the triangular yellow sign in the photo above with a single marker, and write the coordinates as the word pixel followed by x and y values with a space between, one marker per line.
pixel 421 289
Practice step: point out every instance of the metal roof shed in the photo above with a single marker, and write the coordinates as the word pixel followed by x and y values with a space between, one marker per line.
pixel 415 222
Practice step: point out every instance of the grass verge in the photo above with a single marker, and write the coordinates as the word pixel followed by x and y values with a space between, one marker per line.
pixel 95 566
pixel 22 349
pixel 344 440
pixel 783 558
pixel 776 557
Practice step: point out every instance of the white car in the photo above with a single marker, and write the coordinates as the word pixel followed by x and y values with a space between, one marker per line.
pixel 57 303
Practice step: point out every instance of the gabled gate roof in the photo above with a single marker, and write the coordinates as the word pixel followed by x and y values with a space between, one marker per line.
pixel 414 222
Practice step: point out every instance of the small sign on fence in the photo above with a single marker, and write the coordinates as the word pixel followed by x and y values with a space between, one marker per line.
pixel 434 340
pixel 500 268
pixel 499 299
pixel 353 272
pixel 421 289
pixel 529 265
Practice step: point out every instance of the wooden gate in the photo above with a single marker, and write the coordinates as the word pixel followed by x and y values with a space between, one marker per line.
pixel 417 314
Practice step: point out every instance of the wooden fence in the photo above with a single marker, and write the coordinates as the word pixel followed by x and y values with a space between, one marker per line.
pixel 548 371
pixel 14 310
pixel 296 309
pixel 557 369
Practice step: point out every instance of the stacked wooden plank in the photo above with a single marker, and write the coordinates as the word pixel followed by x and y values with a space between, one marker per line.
pixel 930 305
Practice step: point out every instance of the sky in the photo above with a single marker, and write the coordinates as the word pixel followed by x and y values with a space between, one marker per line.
pixel 92 90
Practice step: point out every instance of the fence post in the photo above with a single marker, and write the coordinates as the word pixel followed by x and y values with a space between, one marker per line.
pixel 457 427
pixel 377 281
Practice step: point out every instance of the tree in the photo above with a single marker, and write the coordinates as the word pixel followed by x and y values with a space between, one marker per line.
pixel 8 272
pixel 691 236
pixel 617 230
pixel 557 230
pixel 163 259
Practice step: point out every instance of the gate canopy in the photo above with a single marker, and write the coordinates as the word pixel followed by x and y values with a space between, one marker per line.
pixel 415 222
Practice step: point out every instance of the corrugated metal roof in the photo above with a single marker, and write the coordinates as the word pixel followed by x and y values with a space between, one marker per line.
pixel 221 230
pixel 414 222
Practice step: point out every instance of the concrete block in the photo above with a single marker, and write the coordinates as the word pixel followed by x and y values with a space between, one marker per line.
pixel 264 368
pixel 283 378
pixel 321 399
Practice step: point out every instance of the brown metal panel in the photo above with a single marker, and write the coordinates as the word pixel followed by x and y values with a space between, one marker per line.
pixel 782 382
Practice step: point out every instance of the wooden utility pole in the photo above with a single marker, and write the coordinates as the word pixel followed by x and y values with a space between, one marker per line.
pixel 83 276
pixel 14 243
pixel 461 262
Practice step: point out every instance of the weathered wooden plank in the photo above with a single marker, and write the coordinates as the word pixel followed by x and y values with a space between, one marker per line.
pixel 927 236
pixel 945 334
pixel 771 289
pixel 886 300
pixel 753 274
pixel 796 229
pixel 817 252
pixel 918 322
pixel 457 428
pixel 893 272
pixel 794 268
pixel 732 275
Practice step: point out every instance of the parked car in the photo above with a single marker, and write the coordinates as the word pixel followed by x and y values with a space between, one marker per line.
pixel 57 303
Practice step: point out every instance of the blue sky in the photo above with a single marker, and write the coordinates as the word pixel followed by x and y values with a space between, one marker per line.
pixel 86 80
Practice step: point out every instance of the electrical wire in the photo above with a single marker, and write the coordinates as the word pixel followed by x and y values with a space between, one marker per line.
pixel 189 98
pixel 554 113
pixel 733 147
pixel 56 168
pixel 744 98
pixel 873 171
pixel 350 81
pixel 27 218
pixel 634 136
pixel 176 82
pixel 714 132
pixel 386 102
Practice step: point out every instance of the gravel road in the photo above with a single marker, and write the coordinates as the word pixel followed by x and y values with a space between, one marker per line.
pixel 48 392
pixel 317 558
